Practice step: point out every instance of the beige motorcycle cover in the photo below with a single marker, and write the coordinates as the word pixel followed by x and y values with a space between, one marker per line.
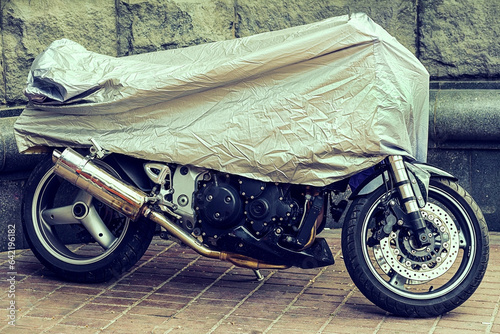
pixel 311 104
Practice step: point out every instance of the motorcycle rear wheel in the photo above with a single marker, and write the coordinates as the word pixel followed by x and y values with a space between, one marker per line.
pixel 63 244
pixel 409 281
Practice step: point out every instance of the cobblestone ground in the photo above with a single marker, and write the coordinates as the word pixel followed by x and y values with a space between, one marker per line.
pixel 173 290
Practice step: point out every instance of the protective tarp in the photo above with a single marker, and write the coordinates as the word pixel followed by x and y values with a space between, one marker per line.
pixel 311 104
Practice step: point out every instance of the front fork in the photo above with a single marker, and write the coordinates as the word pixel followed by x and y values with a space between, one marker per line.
pixel 409 200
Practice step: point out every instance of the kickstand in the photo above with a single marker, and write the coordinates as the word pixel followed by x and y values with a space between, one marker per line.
pixel 259 276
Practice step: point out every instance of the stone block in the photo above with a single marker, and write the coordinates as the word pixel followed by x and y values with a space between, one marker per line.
pixel 2 73
pixel 153 25
pixel 30 26
pixel 485 179
pixel 397 17
pixel 459 38
pixel 455 162
pixel 477 173
pixel 10 212
pixel 11 161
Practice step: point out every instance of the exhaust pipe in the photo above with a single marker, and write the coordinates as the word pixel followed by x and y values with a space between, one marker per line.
pixel 133 203
pixel 86 175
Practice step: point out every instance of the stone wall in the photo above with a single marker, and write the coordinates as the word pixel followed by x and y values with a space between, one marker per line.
pixel 453 38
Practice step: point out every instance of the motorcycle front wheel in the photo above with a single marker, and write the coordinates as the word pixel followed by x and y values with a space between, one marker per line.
pixel 77 237
pixel 411 281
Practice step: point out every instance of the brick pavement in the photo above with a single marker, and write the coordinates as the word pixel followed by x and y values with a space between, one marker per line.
pixel 173 290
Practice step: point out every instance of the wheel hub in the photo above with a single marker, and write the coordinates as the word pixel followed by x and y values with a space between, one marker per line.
pixel 398 251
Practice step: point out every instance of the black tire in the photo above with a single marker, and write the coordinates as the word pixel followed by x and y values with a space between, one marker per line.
pixel 67 248
pixel 439 282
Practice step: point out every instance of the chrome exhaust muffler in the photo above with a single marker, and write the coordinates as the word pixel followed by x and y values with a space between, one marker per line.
pixel 86 175
pixel 134 203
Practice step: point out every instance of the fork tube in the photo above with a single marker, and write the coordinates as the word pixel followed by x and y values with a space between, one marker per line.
pixel 408 198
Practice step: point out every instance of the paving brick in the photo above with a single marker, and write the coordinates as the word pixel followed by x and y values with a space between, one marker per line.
pixel 361 312
pixel 486 296
pixel 276 297
pixel 270 302
pixel 144 279
pixel 60 329
pixel 350 329
pixel 299 323
pixel 179 291
pixel 48 312
pixel 123 294
pixel 58 301
pixel 203 313
pixel 193 275
pixel 227 328
pixel 466 318
pixel 79 290
pixel 440 330
pixel 222 293
pixel 257 311
pixel 183 327
pixel 476 307
pixel 27 268
pixel 134 323
pixel 27 299
pixel 41 279
pixel 194 280
pixel 80 321
pixel 327 292
pixel 153 311
pixel 462 325
pixel 114 301
pixel 356 300
pixel 317 304
pixel 35 324
pixel 237 284
pixel 402 325
pixel 243 325
pixel 156 267
pixel 162 304
pixel 100 311
pixel 124 287
pixel 29 286
pixel 311 312
pixel 178 299
pixel 290 331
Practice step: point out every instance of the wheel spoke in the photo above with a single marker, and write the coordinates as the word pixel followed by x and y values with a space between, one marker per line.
pixel 97 229
pixel 398 281
pixel 463 241
pixel 84 197
pixel 64 215
pixel 59 216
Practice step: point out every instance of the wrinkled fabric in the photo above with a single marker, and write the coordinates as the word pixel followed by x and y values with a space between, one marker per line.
pixel 311 104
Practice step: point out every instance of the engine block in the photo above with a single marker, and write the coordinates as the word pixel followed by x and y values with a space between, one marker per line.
pixel 226 202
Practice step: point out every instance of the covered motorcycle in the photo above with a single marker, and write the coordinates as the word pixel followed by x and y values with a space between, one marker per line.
pixel 233 148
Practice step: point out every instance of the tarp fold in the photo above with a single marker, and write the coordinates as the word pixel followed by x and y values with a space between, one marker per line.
pixel 311 104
